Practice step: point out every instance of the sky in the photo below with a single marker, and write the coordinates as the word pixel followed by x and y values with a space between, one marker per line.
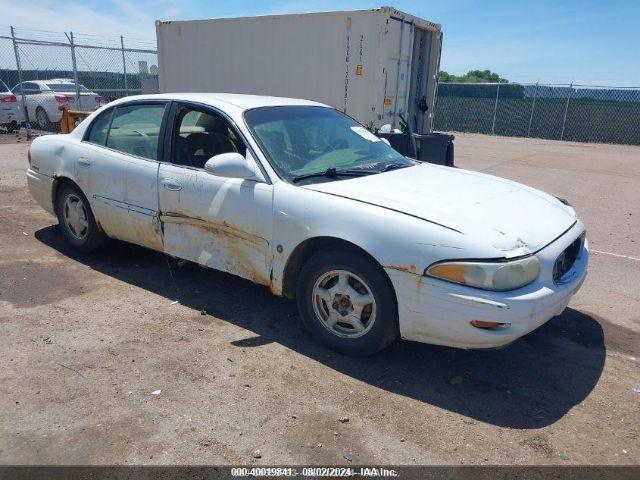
pixel 562 41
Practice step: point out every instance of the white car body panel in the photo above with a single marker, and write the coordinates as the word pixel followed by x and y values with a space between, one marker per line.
pixel 477 205
pixel 223 223
pixel 404 219
pixel 9 110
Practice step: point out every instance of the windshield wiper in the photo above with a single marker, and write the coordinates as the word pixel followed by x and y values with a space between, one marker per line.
pixel 393 166
pixel 335 173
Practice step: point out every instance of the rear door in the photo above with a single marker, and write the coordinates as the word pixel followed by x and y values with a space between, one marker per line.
pixel 222 223
pixel 121 160
pixel 33 98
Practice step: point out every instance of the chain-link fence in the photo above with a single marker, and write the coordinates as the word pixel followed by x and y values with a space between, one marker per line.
pixel 558 112
pixel 49 70
pixel 46 70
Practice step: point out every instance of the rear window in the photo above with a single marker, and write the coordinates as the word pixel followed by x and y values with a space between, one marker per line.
pixel 3 87
pixel 100 127
pixel 65 87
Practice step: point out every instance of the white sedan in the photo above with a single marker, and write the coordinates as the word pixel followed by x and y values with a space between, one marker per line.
pixel 43 98
pixel 297 196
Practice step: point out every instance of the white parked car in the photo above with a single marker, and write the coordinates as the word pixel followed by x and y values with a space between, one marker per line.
pixel 299 197
pixel 44 97
pixel 9 108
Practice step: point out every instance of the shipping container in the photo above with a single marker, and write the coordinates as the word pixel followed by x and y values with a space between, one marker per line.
pixel 374 65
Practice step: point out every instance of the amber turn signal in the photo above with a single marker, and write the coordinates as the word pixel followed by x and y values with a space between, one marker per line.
pixel 488 325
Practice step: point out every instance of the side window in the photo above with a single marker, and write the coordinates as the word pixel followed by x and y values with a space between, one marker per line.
pixel 199 135
pixel 135 130
pixel 31 88
pixel 99 128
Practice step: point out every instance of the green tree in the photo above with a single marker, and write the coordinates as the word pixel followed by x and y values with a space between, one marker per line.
pixel 473 76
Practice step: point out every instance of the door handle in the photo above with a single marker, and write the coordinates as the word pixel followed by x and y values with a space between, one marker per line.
pixel 171 184
pixel 83 162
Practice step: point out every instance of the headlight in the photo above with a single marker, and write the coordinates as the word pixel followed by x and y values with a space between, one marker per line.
pixel 499 276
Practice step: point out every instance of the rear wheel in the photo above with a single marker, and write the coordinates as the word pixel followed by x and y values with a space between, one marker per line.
pixel 43 119
pixel 77 221
pixel 346 301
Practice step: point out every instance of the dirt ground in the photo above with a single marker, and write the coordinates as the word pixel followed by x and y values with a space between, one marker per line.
pixel 85 340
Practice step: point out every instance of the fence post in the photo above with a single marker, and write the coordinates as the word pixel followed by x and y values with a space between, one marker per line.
pixel 75 69
pixel 495 110
pixel 16 52
pixel 533 106
pixel 566 108
pixel 124 67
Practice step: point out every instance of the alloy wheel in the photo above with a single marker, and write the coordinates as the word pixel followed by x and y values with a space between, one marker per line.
pixel 344 304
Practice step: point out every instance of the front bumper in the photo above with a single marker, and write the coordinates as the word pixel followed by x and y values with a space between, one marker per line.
pixel 439 312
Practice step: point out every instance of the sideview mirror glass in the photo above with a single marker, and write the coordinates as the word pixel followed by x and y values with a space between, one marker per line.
pixel 230 165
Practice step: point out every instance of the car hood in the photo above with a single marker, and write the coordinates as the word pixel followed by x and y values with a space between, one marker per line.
pixel 511 217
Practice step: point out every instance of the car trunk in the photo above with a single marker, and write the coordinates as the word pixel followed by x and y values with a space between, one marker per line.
pixel 88 100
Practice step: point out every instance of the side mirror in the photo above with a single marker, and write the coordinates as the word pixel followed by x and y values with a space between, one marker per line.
pixel 230 165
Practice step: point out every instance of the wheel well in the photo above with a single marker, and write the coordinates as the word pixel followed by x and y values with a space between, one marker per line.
pixel 306 250
pixel 58 183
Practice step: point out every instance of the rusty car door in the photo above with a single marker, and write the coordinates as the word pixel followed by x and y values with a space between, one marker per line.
pixel 222 223
pixel 123 165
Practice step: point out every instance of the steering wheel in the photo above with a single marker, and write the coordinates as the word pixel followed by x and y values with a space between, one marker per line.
pixel 142 134
pixel 337 144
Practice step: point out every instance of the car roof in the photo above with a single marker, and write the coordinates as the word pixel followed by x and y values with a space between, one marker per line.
pixel 50 80
pixel 238 101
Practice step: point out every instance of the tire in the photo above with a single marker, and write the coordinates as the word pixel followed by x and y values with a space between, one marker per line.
pixel 81 231
pixel 42 119
pixel 320 302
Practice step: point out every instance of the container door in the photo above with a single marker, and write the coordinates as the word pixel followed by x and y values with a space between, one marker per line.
pixel 399 38
pixel 426 58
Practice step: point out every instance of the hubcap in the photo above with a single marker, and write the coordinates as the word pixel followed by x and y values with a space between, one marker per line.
pixel 344 304
pixel 75 217
pixel 41 117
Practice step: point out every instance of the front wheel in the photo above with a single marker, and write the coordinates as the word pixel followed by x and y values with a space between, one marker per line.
pixel 347 302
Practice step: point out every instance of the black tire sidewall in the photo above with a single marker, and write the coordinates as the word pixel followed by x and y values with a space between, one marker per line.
pixel 95 238
pixel 385 328
pixel 45 124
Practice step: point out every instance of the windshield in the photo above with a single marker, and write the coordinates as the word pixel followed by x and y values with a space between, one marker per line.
pixel 304 140
pixel 65 87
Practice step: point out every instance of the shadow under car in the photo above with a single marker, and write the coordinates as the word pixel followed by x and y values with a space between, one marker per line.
pixel 529 384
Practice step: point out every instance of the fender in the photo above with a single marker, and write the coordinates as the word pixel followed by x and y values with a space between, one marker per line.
pixel 395 240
